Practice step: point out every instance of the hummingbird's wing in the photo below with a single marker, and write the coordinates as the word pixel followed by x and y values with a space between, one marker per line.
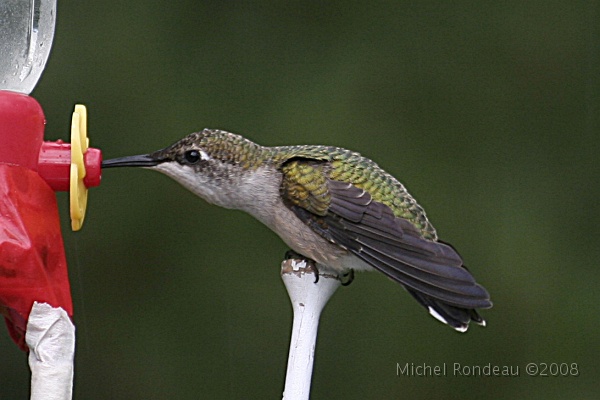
pixel 348 216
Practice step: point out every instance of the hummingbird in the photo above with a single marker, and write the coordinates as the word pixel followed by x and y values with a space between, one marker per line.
pixel 329 205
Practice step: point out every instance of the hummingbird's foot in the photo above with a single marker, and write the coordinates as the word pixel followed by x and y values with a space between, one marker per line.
pixel 292 255
pixel 350 277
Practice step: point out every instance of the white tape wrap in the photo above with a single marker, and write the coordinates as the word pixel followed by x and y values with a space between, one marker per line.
pixel 51 340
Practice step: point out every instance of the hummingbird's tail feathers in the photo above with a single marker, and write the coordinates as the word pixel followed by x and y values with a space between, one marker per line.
pixel 453 292
pixel 455 317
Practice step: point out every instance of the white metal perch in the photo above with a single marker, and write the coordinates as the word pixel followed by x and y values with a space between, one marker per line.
pixel 308 296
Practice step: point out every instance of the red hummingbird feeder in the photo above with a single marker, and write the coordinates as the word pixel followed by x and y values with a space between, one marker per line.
pixel 32 259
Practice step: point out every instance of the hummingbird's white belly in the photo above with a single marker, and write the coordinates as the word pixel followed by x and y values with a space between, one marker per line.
pixel 303 240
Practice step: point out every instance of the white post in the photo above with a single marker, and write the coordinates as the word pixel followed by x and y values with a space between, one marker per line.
pixel 51 340
pixel 308 299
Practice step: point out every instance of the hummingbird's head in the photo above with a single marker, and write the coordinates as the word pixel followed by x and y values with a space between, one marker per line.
pixel 212 163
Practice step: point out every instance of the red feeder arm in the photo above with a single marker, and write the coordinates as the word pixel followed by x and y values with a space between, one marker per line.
pixel 32 259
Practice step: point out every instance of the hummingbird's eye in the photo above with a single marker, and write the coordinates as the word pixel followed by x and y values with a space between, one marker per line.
pixel 192 156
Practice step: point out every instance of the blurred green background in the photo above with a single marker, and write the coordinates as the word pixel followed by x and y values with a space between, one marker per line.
pixel 489 113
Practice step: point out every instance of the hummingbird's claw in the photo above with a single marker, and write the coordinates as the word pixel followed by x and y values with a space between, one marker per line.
pixel 291 254
pixel 350 276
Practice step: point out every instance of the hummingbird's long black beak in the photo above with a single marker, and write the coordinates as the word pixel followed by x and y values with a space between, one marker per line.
pixel 143 160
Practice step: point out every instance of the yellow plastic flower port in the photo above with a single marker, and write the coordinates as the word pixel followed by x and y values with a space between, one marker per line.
pixel 79 145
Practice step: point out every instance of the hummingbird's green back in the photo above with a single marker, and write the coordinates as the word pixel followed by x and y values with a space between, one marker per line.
pixel 348 166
